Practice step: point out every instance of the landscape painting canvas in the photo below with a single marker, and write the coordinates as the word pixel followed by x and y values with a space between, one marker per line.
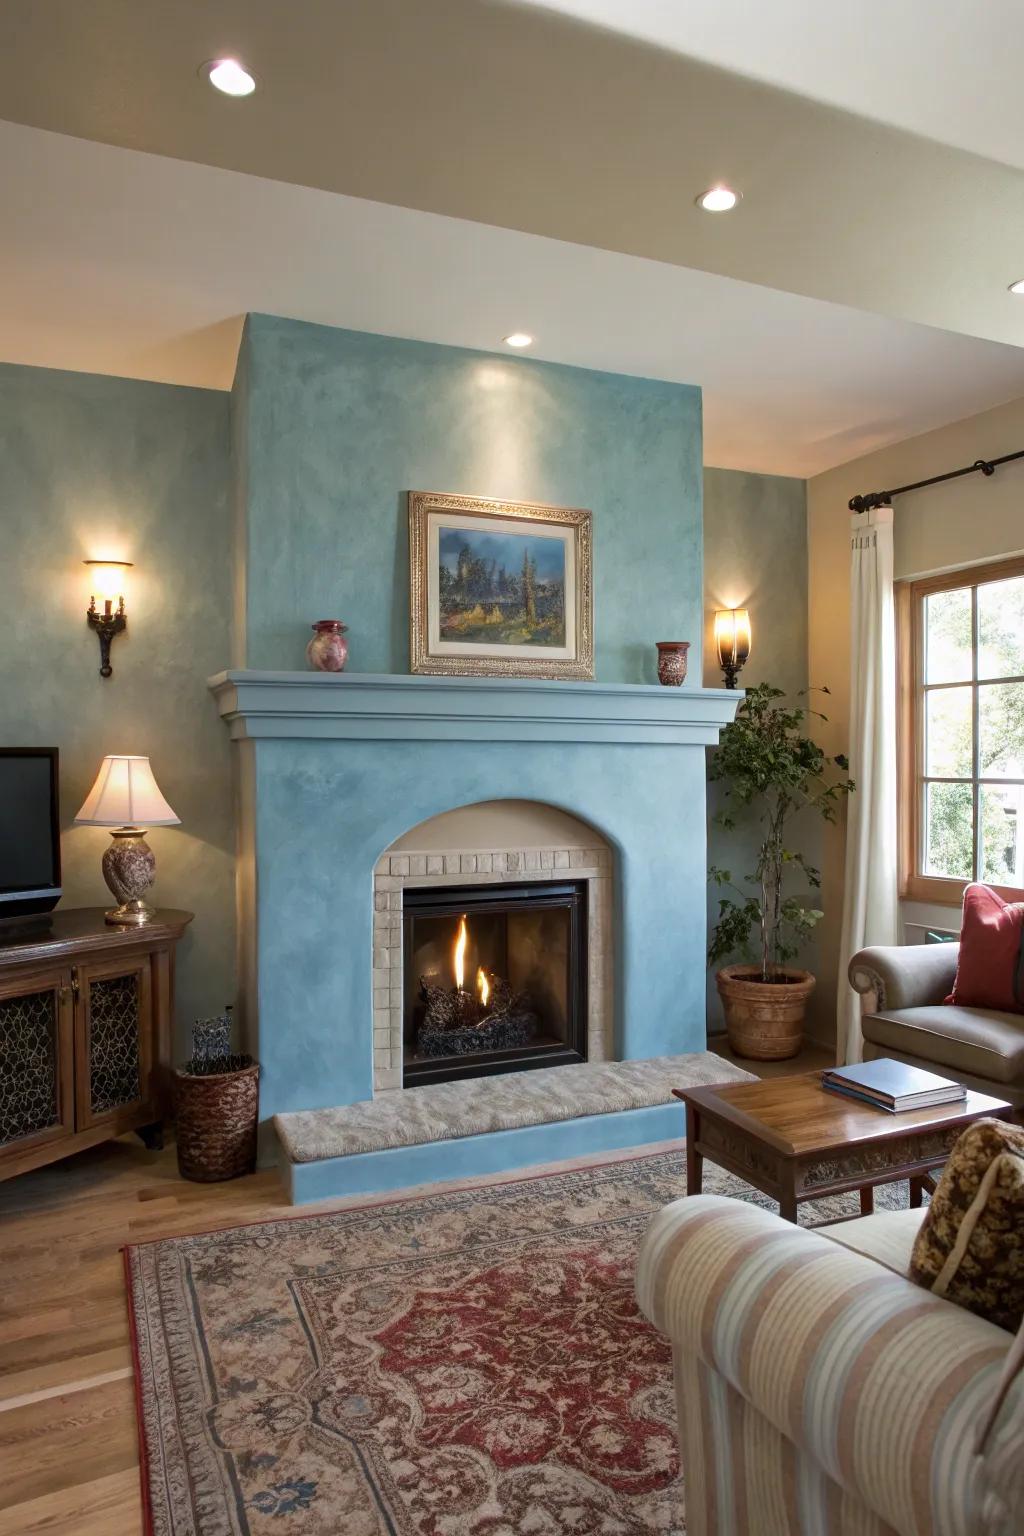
pixel 499 587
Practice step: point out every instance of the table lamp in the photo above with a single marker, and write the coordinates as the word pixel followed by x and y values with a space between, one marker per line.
pixel 125 797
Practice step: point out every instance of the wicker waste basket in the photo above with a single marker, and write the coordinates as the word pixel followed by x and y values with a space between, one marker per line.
pixel 217 1114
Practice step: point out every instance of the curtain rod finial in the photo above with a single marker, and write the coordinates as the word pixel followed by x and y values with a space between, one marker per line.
pixel 870 501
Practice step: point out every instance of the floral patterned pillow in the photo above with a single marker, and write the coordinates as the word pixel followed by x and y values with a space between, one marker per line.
pixel 970 1247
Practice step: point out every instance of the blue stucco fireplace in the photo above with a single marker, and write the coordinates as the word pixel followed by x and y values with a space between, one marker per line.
pixel 334 768
pixel 329 431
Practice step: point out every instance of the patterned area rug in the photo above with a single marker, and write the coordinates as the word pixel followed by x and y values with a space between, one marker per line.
pixel 464 1363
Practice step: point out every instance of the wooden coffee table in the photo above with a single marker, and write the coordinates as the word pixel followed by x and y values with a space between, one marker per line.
pixel 794 1141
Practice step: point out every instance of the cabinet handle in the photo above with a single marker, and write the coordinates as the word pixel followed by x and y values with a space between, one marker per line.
pixel 74 984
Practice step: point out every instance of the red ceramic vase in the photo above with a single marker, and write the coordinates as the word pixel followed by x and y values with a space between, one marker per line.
pixel 328 649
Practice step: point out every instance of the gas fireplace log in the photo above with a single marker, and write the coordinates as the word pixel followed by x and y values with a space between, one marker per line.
pixel 457 1023
pixel 496 1032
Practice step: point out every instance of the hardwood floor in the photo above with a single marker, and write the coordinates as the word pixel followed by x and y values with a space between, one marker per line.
pixel 811 1057
pixel 68 1448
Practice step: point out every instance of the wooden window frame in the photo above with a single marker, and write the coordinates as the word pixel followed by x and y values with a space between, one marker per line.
pixel 910 596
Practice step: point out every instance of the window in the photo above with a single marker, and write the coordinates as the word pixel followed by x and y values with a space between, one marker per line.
pixel 961 658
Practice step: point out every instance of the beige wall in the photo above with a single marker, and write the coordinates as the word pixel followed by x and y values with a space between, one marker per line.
pixel 964 521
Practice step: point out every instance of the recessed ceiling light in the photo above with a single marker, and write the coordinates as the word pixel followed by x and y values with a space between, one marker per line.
pixel 718 199
pixel 518 339
pixel 1018 286
pixel 229 77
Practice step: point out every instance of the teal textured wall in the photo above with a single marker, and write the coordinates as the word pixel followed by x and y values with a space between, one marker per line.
pixel 287 503
pixel 755 556
pixel 341 424
pixel 93 466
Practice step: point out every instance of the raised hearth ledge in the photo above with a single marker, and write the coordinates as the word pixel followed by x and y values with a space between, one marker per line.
pixel 385 706
pixel 490 1125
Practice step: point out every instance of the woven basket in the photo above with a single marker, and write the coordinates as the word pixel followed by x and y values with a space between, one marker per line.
pixel 217 1114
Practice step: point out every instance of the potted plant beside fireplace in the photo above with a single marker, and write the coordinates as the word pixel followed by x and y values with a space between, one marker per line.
pixel 773 773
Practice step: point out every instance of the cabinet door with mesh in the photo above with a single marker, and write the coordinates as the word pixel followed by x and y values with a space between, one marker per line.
pixel 36 1105
pixel 113 1046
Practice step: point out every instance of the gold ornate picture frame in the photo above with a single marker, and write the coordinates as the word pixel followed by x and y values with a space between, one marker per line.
pixel 499 588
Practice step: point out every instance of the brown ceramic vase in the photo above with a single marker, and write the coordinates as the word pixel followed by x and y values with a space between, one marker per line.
pixel 672 662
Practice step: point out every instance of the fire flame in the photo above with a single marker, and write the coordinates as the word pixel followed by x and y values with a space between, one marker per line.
pixel 484 986
pixel 460 954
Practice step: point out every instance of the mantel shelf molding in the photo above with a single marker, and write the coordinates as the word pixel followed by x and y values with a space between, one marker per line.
pixel 318 706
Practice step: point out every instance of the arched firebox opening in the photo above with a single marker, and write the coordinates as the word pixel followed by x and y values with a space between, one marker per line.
pixel 492 923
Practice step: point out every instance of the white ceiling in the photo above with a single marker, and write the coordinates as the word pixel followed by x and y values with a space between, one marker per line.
pixel 454 169
pixel 141 265
pixel 947 69
pixel 526 118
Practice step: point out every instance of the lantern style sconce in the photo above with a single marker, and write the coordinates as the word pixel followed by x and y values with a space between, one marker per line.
pixel 102 615
pixel 732 641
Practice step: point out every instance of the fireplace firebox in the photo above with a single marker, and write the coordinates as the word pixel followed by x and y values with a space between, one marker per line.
pixel 494 979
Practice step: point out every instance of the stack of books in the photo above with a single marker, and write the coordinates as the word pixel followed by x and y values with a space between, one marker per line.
pixel 892 1085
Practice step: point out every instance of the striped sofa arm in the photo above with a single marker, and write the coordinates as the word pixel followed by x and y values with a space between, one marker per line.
pixel 877 1381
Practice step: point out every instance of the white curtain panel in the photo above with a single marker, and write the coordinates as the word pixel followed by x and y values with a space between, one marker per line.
pixel 870 894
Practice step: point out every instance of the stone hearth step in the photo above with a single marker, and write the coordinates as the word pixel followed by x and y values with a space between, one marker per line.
pixel 357 1147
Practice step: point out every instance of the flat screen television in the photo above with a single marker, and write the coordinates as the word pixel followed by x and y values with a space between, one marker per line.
pixel 29 831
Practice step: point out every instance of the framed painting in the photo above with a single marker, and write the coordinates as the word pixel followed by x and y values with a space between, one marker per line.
pixel 499 588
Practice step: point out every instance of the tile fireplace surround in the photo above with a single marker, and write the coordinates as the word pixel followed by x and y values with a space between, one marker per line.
pixel 335 769
pixel 397 872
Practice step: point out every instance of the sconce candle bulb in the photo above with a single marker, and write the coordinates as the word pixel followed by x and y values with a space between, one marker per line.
pixel 732 641
pixel 107 620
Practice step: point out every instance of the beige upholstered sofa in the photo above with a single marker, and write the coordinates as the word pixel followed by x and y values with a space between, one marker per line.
pixel 819 1391
pixel 904 1016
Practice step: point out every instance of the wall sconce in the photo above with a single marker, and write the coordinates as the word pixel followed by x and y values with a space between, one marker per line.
pixel 106 619
pixel 732 641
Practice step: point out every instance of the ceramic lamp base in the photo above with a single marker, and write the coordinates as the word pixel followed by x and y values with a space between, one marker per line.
pixel 129 869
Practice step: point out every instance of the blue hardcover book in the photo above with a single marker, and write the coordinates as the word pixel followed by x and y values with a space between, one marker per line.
pixel 893 1085
pixel 852 1093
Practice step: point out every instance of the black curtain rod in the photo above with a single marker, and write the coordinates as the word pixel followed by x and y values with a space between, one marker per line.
pixel 872 499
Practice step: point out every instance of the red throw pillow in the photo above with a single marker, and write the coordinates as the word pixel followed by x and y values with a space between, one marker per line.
pixel 990 969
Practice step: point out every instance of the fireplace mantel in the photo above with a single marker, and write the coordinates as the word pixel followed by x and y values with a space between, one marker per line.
pixel 348 706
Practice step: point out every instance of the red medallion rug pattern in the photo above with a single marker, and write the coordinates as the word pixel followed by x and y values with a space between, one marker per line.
pixel 468 1363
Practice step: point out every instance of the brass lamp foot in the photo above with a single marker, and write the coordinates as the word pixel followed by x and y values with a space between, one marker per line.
pixel 135 912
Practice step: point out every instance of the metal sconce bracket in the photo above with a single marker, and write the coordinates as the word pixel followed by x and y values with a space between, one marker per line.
pixel 107 625
pixel 732 670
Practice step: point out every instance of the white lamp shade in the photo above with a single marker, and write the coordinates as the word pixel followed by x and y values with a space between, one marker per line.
pixel 125 794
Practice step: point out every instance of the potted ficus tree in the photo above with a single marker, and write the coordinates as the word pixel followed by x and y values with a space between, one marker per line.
pixel 771 769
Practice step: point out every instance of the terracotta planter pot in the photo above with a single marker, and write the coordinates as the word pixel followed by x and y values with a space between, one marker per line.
pixel 764 1020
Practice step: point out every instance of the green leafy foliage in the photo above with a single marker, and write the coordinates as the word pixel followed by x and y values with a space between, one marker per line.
pixel 770 769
